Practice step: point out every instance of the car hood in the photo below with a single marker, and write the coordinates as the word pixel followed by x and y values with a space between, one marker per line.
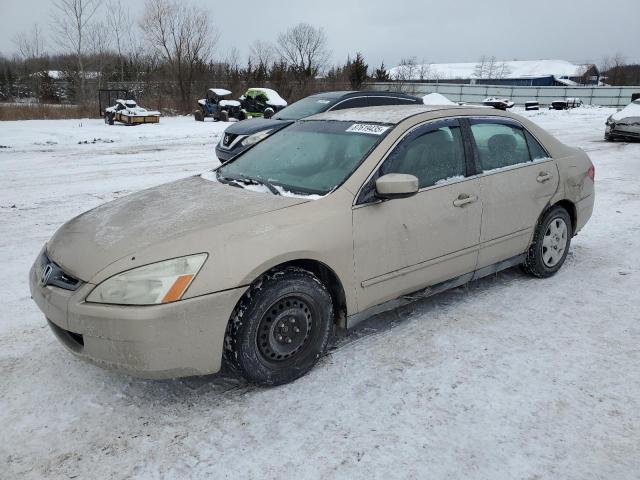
pixel 629 115
pixel 254 125
pixel 95 239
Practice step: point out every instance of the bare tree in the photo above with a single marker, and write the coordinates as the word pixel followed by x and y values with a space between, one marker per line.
pixel 183 36
pixel 304 49
pixel 424 71
pixel 502 70
pixel 405 72
pixel 100 49
pixel 30 44
pixel 481 67
pixel 71 24
pixel 262 53
pixel 121 25
pixel 613 69
pixel 261 57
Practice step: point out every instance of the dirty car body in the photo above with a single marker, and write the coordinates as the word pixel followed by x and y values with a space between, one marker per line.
pixel 325 221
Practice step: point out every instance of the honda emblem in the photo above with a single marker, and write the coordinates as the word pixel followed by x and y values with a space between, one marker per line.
pixel 46 274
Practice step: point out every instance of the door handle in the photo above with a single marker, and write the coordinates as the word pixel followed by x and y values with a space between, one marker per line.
pixel 464 199
pixel 543 177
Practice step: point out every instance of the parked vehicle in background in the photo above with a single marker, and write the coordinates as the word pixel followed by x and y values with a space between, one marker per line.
pixel 532 105
pixel 240 136
pixel 129 113
pixel 261 259
pixel 565 104
pixel 256 100
pixel 499 103
pixel 625 124
pixel 215 106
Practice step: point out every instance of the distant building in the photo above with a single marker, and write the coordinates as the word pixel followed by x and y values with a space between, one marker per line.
pixel 541 73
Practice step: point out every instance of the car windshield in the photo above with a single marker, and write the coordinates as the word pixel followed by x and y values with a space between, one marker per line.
pixel 304 108
pixel 308 157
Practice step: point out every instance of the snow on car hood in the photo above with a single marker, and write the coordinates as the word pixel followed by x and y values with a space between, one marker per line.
pixel 88 243
pixel 630 111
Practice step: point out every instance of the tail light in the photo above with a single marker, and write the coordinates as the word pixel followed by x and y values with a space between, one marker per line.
pixel 592 172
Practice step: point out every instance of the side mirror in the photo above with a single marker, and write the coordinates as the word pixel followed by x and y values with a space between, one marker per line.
pixel 396 185
pixel 268 112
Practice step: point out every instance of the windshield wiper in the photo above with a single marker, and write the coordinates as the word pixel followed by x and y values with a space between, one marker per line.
pixel 250 181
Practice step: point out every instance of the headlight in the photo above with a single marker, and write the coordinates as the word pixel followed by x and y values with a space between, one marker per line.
pixel 255 138
pixel 161 282
pixel 610 121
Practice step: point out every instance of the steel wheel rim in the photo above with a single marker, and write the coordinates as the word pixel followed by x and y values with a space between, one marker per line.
pixel 285 328
pixel 554 242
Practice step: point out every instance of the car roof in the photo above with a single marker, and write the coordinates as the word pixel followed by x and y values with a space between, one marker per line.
pixel 362 93
pixel 392 114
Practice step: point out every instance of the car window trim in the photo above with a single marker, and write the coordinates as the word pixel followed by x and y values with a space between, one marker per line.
pixel 413 129
pixel 408 100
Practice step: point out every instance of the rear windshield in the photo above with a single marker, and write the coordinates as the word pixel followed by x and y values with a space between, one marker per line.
pixel 304 108
pixel 308 157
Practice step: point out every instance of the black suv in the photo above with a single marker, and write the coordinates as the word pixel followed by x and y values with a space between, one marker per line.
pixel 242 135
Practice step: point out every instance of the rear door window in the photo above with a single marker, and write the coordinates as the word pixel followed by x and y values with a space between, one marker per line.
pixel 535 149
pixel 499 144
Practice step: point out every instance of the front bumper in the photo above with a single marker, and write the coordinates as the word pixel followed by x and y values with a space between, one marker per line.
pixel 161 341
pixel 623 131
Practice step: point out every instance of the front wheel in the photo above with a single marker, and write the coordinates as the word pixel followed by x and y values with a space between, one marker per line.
pixel 280 328
pixel 550 245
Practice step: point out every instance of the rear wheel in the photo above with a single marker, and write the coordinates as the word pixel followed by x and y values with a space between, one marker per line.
pixel 224 116
pixel 198 115
pixel 550 245
pixel 280 328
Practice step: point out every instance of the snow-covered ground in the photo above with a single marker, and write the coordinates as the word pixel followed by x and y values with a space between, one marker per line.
pixel 507 378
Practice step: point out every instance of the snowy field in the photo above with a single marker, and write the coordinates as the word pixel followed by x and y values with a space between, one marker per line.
pixel 507 378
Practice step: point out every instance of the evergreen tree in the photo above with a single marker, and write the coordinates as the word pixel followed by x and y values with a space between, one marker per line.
pixel 381 74
pixel 357 71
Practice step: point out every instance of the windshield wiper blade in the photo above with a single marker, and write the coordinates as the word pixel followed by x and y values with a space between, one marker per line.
pixel 252 180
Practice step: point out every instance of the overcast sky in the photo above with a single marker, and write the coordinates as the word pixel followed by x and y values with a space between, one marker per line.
pixel 434 31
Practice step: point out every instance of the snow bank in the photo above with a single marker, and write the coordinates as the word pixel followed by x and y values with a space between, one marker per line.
pixel 506 378
pixel 436 98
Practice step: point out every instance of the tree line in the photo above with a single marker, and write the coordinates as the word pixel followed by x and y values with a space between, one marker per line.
pixel 166 56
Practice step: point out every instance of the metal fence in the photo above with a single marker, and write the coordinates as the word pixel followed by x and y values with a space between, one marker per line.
pixel 603 96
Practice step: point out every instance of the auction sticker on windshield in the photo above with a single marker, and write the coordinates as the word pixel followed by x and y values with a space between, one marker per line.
pixel 369 128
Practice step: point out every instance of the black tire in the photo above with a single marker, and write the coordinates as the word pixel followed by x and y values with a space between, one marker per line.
pixel 110 120
pixel 280 328
pixel 224 116
pixel 542 261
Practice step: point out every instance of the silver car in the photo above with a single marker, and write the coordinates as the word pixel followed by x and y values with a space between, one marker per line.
pixel 625 124
pixel 261 260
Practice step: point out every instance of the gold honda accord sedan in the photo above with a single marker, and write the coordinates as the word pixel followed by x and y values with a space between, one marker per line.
pixel 259 261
